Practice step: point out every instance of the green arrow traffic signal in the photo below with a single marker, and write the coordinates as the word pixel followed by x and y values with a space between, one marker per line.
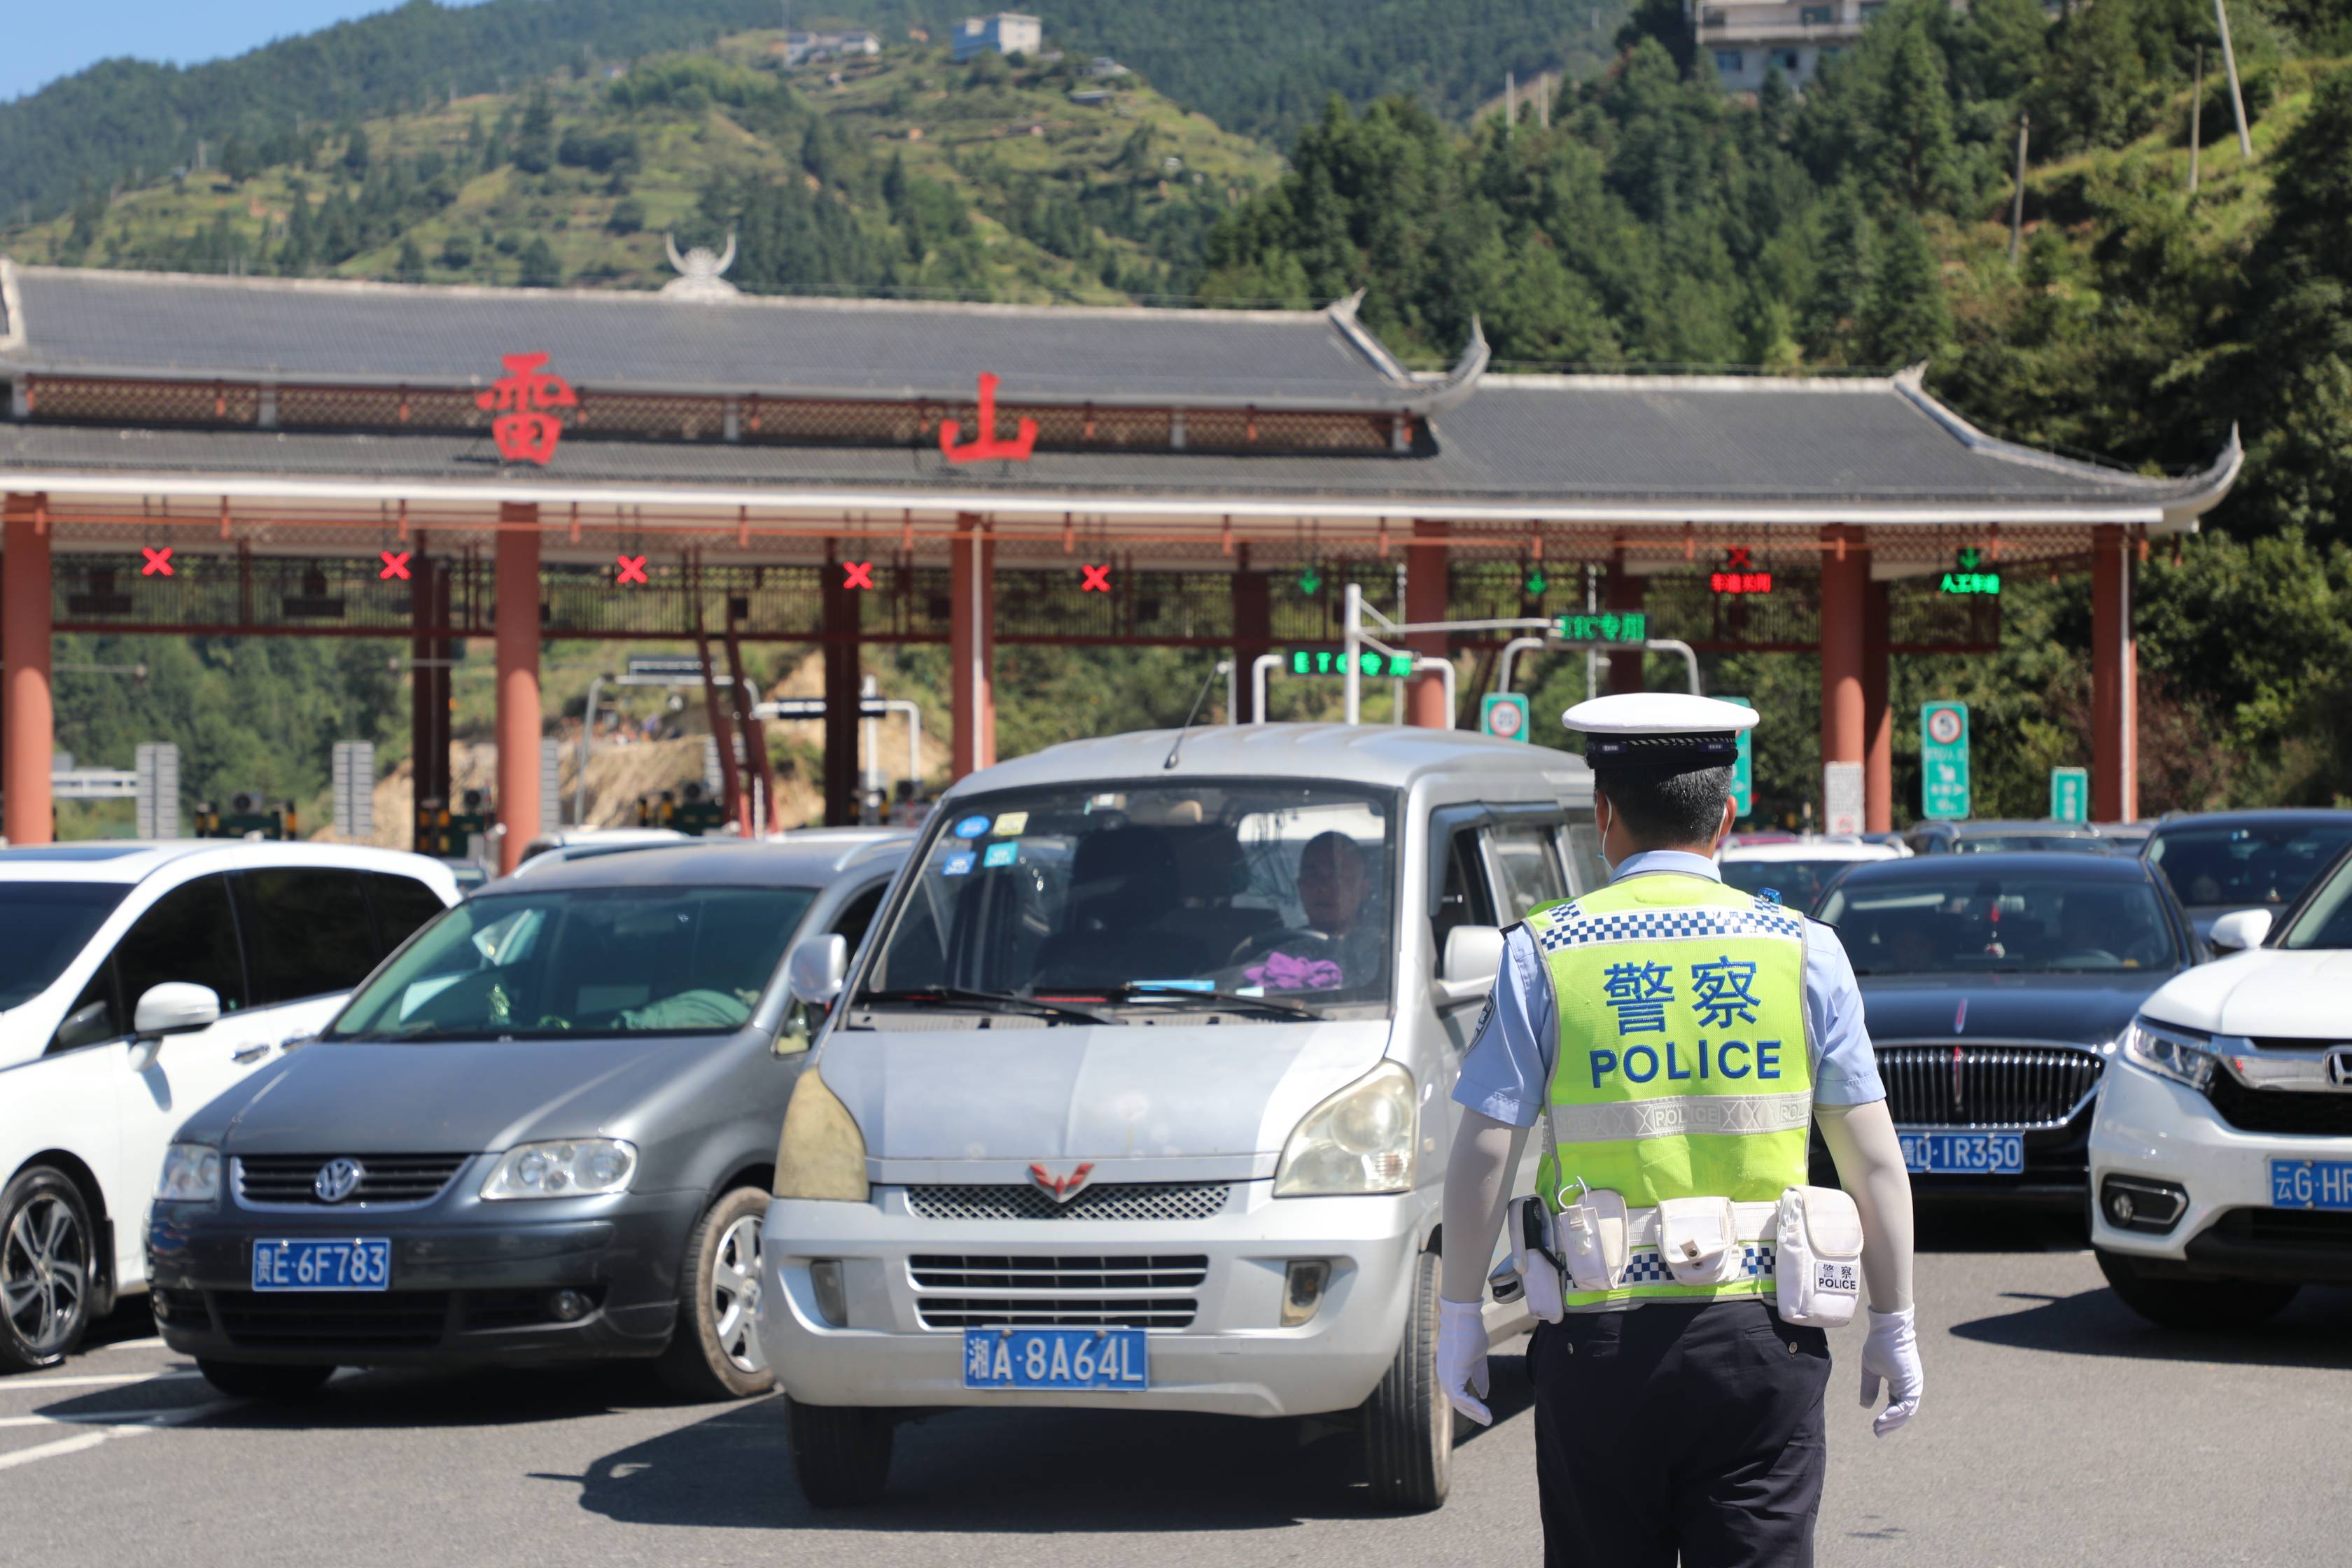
pixel 1536 583
pixel 1310 581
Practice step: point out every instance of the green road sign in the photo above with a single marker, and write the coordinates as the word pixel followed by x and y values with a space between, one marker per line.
pixel 2070 794
pixel 1503 715
pixel 1944 761
pixel 1607 626
pixel 1334 661
pixel 1743 772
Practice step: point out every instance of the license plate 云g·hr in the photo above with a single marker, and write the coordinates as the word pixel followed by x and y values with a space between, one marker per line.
pixel 1935 1152
pixel 1093 1359
pixel 2311 1185
pixel 323 1263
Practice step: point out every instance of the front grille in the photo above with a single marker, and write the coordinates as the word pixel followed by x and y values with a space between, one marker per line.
pixel 1118 1200
pixel 1058 1291
pixel 2310 1227
pixel 2320 1112
pixel 285 1180
pixel 326 1320
pixel 1994 1086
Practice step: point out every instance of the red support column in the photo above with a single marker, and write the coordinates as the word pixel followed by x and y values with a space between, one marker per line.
pixel 428 687
pixel 1427 597
pixel 843 701
pixel 2114 679
pixel 1252 635
pixel 30 726
pixel 1877 718
pixel 1845 591
pixel 971 645
pixel 1621 591
pixel 517 680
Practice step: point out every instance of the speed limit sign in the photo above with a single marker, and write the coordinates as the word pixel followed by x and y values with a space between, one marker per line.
pixel 1503 715
pixel 1945 725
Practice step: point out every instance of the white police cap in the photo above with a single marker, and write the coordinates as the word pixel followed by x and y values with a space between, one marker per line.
pixel 1661 729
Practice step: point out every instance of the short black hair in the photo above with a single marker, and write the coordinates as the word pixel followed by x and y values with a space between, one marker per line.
pixel 1660 806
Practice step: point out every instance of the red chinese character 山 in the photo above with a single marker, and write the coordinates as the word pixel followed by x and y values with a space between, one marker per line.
pixel 526 432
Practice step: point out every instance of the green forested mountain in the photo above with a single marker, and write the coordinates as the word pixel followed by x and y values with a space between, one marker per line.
pixel 1260 70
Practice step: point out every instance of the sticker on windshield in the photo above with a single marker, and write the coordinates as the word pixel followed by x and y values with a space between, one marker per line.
pixel 957 865
pixel 1000 854
pixel 1012 824
pixel 972 827
pixel 1175 984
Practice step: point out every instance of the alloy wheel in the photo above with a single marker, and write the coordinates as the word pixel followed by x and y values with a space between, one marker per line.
pixel 735 1295
pixel 44 1273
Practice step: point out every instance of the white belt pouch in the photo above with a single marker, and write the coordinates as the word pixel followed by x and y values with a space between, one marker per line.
pixel 1817 1268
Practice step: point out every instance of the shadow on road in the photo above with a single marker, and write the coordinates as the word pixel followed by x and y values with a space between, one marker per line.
pixel 1010 1471
pixel 1949 1225
pixel 2310 1334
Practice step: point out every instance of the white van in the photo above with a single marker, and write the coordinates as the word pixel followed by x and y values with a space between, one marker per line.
pixel 1138 1094
pixel 138 981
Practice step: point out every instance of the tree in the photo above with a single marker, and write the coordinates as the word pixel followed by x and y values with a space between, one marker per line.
pixel 410 266
pixel 540 267
pixel 355 152
pixel 534 145
pixel 1904 319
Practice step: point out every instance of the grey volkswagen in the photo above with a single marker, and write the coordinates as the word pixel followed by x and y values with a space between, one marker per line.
pixel 542 1130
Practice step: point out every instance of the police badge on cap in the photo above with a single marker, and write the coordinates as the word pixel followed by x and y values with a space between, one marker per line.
pixel 1668 729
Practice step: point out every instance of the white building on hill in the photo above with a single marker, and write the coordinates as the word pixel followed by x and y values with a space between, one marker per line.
pixel 1006 32
pixel 1746 41
pixel 800 47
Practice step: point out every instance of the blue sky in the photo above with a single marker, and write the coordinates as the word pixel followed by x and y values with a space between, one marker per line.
pixel 46 40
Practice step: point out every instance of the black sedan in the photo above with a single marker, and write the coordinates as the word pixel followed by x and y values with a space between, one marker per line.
pixel 2219 861
pixel 544 1130
pixel 1995 986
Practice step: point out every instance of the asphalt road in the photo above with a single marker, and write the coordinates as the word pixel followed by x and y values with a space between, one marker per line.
pixel 2057 1428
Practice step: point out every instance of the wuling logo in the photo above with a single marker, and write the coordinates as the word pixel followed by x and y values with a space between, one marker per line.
pixel 527 433
pixel 1062 1188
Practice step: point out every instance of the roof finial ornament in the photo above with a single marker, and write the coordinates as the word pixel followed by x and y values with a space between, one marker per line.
pixel 698 271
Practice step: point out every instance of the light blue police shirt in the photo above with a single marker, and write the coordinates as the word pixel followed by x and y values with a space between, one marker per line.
pixel 1506 1072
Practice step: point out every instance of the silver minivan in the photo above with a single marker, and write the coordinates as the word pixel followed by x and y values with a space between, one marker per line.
pixel 1138 1095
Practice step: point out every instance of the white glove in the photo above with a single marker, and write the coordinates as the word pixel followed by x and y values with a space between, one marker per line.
pixel 1462 1358
pixel 1892 1352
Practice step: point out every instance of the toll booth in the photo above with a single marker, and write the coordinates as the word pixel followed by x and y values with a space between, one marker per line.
pixel 691 809
pixel 249 816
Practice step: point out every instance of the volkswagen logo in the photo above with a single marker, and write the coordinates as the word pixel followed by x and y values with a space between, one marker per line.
pixel 337 1179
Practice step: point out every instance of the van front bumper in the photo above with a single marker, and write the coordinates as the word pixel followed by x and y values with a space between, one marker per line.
pixel 2158 1131
pixel 902 1344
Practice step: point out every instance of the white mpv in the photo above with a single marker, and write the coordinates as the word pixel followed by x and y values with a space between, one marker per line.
pixel 2221 1151
pixel 1138 1097
pixel 138 981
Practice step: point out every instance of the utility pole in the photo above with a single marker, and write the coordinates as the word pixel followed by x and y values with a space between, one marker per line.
pixel 1510 98
pixel 2230 64
pixel 2017 202
pixel 2196 118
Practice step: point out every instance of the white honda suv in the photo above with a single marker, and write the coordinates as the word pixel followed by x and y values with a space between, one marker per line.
pixel 2222 1153
pixel 137 982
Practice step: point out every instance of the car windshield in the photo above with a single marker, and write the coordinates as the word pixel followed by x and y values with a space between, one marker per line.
pixel 2247 865
pixel 42 926
pixel 2004 843
pixel 1798 882
pixel 582 961
pixel 2327 921
pixel 1973 924
pixel 1152 895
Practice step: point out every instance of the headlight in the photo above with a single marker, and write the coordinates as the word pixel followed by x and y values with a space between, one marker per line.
pixel 1359 1141
pixel 820 1153
pixel 2177 1054
pixel 574 1168
pixel 191 1174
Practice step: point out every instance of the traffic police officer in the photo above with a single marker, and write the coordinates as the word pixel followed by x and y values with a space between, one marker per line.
pixel 1693 1427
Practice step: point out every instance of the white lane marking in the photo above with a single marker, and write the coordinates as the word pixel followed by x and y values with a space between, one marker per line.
pixel 153 1343
pixel 83 1441
pixel 87 1418
pixel 93 1380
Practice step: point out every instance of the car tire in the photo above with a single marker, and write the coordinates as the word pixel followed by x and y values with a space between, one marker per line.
pixel 265 1381
pixel 714 1353
pixel 841 1453
pixel 2202 1305
pixel 48 1268
pixel 1408 1423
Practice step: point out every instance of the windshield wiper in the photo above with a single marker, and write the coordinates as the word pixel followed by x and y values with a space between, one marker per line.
pixel 1183 999
pixel 989 1001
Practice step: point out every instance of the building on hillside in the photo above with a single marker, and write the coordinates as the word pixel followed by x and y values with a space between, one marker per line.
pixel 801 48
pixel 1105 68
pixel 1747 42
pixel 1006 32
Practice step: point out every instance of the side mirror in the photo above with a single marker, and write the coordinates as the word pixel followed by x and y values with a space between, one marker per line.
pixel 2239 930
pixel 1473 956
pixel 174 1008
pixel 814 971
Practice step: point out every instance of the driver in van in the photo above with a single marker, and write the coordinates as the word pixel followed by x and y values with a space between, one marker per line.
pixel 1335 890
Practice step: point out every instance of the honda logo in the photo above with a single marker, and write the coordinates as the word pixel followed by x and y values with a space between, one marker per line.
pixel 1062 1189
pixel 2339 1067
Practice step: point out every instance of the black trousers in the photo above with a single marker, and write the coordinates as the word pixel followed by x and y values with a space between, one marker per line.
pixel 1689 1430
